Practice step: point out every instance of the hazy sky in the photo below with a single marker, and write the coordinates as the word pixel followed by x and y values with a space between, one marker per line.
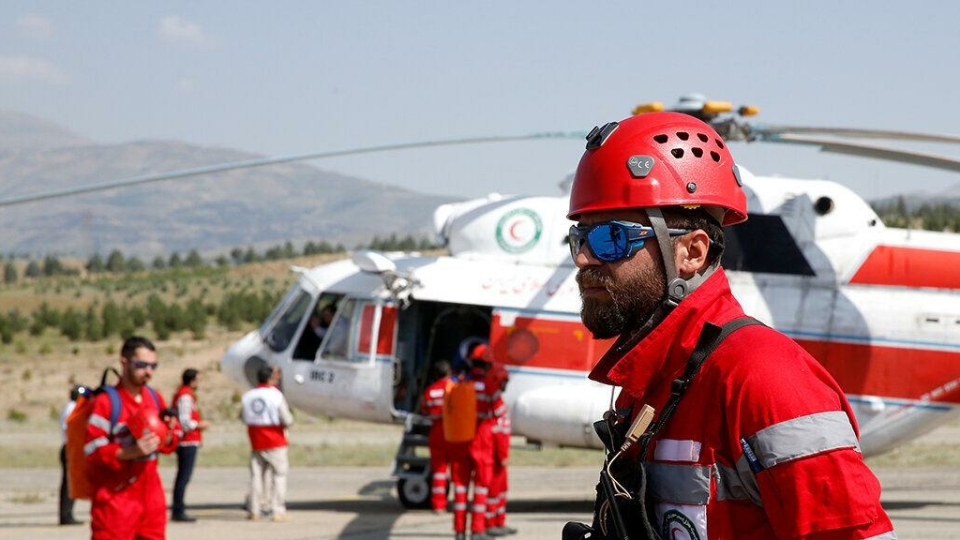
pixel 293 77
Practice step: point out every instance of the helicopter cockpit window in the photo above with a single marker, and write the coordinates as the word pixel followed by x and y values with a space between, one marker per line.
pixel 763 244
pixel 289 297
pixel 288 320
pixel 336 341
pixel 316 327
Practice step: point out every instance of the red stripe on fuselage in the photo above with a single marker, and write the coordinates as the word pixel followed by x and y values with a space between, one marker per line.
pixel 546 343
pixel 910 267
pixel 890 371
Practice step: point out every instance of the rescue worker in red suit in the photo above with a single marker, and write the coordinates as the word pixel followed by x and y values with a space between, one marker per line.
pixel 497 495
pixel 128 501
pixel 475 460
pixel 431 406
pixel 763 443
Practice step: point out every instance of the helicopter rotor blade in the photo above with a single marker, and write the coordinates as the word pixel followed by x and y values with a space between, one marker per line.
pixel 766 131
pixel 262 162
pixel 871 151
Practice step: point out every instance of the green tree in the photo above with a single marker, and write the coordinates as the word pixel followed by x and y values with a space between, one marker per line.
pixel 112 318
pixel 196 317
pixel 93 329
pixel 6 331
pixel 71 324
pixel 116 263
pixel 194 260
pixel 134 264
pixel 175 260
pixel 10 273
pixel 52 266
pixel 16 321
pixel 43 317
pixel 33 270
pixel 159 263
pixel 95 264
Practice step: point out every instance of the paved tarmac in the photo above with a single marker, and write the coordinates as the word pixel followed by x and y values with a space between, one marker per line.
pixel 360 504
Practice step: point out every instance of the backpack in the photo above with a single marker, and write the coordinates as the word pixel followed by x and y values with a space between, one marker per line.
pixel 78 470
pixel 459 411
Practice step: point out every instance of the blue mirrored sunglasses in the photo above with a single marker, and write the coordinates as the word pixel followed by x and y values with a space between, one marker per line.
pixel 143 364
pixel 612 241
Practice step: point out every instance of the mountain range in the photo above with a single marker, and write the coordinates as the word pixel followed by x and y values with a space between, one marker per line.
pixel 214 213
pixel 256 207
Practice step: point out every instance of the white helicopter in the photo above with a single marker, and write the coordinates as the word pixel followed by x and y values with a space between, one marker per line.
pixel 871 303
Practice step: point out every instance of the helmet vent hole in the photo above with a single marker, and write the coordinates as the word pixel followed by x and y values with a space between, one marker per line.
pixel 697 151
pixel 702 137
pixel 715 156
pixel 677 152
pixel 719 144
pixel 660 138
pixel 683 135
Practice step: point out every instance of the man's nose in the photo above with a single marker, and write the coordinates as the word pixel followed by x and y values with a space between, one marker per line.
pixel 584 257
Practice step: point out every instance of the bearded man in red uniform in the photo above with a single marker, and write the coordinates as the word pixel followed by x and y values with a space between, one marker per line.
pixel 763 443
pixel 128 501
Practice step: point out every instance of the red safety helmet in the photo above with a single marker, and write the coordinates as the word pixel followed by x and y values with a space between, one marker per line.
pixel 147 419
pixel 481 352
pixel 658 159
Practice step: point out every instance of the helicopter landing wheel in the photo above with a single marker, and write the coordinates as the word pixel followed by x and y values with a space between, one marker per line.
pixel 414 493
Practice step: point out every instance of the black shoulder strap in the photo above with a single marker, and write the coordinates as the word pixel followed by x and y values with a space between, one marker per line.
pixel 711 336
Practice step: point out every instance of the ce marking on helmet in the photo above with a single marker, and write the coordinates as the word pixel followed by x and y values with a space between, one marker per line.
pixel 322 376
pixel 640 166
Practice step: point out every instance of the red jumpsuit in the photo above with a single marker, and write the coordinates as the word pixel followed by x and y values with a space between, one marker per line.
pixel 763 444
pixel 497 496
pixel 128 500
pixel 475 460
pixel 432 406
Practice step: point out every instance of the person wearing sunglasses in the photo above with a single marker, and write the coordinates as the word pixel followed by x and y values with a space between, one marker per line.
pixel 750 437
pixel 123 439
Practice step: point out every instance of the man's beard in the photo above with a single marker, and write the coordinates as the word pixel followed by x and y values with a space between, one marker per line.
pixel 630 302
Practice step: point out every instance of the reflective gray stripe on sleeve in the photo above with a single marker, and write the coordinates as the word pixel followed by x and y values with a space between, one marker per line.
pixel 885 536
pixel 802 437
pixel 682 484
pixel 100 422
pixel 737 484
pixel 92 446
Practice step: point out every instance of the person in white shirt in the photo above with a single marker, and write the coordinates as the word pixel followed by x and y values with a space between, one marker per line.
pixel 267 416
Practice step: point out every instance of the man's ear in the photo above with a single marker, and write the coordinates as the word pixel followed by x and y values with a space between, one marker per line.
pixel 691 251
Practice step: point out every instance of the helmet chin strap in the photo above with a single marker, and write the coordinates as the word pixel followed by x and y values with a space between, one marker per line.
pixel 677 287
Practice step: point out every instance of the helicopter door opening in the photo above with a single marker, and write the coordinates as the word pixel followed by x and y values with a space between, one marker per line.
pixel 429 332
